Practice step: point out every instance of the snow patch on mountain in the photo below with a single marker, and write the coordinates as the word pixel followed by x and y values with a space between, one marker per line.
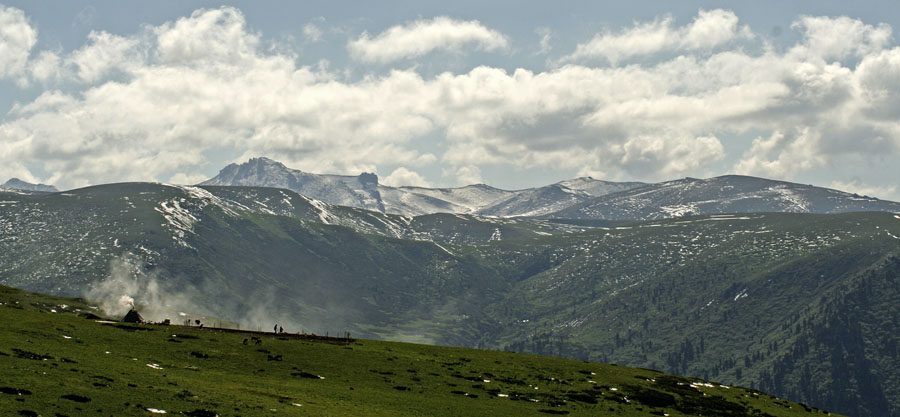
pixel 15 184
pixel 364 191
pixel 725 194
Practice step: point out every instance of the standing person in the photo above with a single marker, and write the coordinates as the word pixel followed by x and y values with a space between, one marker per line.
pixel 280 329
pixel 275 329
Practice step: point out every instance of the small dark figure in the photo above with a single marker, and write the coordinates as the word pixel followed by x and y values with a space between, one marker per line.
pixel 280 329
pixel 275 329
pixel 197 321
pixel 245 341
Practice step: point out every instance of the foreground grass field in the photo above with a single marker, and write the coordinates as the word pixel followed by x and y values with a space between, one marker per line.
pixel 58 359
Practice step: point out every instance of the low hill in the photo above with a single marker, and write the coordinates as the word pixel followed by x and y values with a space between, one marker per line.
pixel 56 361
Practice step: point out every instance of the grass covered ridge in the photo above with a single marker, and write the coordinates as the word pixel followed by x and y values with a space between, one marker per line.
pixel 57 359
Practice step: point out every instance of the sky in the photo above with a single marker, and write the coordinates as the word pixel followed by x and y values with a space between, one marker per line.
pixel 507 93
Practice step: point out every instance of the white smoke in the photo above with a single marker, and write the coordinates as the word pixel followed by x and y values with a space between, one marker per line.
pixel 126 302
pixel 128 286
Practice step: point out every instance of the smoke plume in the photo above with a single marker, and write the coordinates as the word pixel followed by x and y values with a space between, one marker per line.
pixel 129 286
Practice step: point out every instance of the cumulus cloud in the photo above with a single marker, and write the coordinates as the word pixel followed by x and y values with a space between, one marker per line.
pixel 312 33
pixel 782 154
pixel 841 37
pixel 708 30
pixel 546 36
pixel 46 67
pixel 187 179
pixel 464 175
pixel 403 176
pixel 105 52
pixel 855 185
pixel 420 37
pixel 207 37
pixel 149 106
pixel 17 37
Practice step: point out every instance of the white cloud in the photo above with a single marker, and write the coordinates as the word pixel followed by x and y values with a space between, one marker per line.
pixel 782 155
pixel 46 67
pixel 420 37
pixel 17 37
pixel 841 37
pixel 708 30
pixel 207 37
pixel 312 33
pixel 546 36
pixel 403 176
pixel 855 185
pixel 712 28
pixel 203 84
pixel 187 179
pixel 879 82
pixel 464 175
pixel 105 52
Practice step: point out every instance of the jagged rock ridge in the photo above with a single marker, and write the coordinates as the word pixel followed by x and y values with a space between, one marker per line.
pixel 365 192
pixel 17 184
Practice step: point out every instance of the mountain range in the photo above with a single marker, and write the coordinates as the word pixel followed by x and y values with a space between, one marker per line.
pixel 798 304
pixel 365 192
pixel 778 286
pixel 580 198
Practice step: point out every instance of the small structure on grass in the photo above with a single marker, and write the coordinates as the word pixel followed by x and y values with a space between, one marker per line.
pixel 133 317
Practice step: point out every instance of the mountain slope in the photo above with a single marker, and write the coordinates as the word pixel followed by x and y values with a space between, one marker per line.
pixel 725 194
pixel 598 188
pixel 359 191
pixel 757 300
pixel 17 184
pixel 754 299
pixel 56 361
pixel 415 201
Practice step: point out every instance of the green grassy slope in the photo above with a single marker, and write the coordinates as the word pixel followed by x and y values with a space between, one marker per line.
pixel 55 361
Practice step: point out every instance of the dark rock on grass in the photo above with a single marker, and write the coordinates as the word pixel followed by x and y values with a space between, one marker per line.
pixel 306 375
pixel 652 398
pixel 401 388
pixel 549 411
pixel 28 413
pixel 583 397
pixel 201 413
pixel 75 397
pixel 24 354
pixel 200 355
pixel 712 405
pixel 14 391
